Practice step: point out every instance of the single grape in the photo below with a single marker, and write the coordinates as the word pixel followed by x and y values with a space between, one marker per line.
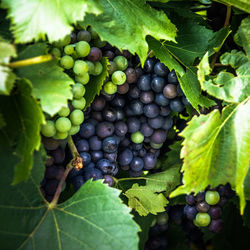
pixel 159 136
pixel 48 129
pixel 80 67
pixel 123 89
pixel 79 103
pixel 98 104
pixel 146 130
pixel 133 124
pixel 99 43
pixel 110 144
pixel 83 79
pixel 67 62
pixel 76 117
pixel 149 65
pixel 118 77
pixel 105 129
pixel 172 78
pixel 74 129
pixel 82 145
pixel 147 97
pixel 121 62
pixel 60 135
pixel 137 137
pixel 109 114
pixel 161 100
pixel 91 67
pixel 121 128
pixel 58 155
pixel 202 219
pixel 160 69
pixel 77 182
pixel 87 130
pixel 112 67
pixel 69 49
pixel 83 35
pixel 131 75
pixel 176 105
pixel 96 155
pixel 78 90
pixel 109 180
pixel 137 164
pixel 190 199
pixel 64 111
pixel 56 52
pixel 93 33
pixel 106 166
pixel 63 124
pixel 95 54
pixel 170 91
pixel 212 197
pixel 144 82
pixel 95 143
pixel 156 122
pixel 157 84
pixel 82 48
pixel 190 212
pixel 167 123
pixel 202 207
pixel 51 186
pixel 111 156
pixel 215 212
pixel 151 110
pixel 136 107
pixel 109 54
pixel 216 226
pixel 118 101
pixel 94 173
pixel 150 161
pixel 125 157
pixel 50 144
pixel 98 69
pixel 110 88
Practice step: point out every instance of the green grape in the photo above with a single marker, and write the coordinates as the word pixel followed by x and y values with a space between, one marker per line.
pixel 78 90
pixel 56 52
pixel 77 117
pixel 118 77
pixel 63 42
pixel 202 219
pixel 121 62
pixel 80 67
pixel 83 79
pixel 155 145
pixel 112 67
pixel 67 62
pixel 60 135
pixel 91 67
pixel 63 124
pixel 79 104
pixel 48 129
pixel 137 137
pixel 75 55
pixel 69 49
pixel 98 68
pixel 82 48
pixel 93 33
pixel 110 88
pixel 74 130
pixel 212 197
pixel 64 111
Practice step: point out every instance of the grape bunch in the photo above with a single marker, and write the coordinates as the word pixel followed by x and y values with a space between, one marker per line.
pixel 205 208
pixel 54 168
pixel 80 58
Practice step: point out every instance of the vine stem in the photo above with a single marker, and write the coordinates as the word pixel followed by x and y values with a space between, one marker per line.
pixel 226 23
pixel 76 163
pixel 31 61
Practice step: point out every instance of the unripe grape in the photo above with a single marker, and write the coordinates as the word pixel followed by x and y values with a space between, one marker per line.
pixel 98 68
pixel 118 77
pixel 63 124
pixel 79 104
pixel 212 197
pixel 202 219
pixel 83 79
pixel 121 62
pixel 78 90
pixel 82 48
pixel 48 129
pixel 74 129
pixel 60 135
pixel 77 117
pixel 110 88
pixel 64 111
pixel 80 67
pixel 69 49
pixel 137 137
pixel 56 52
pixel 67 62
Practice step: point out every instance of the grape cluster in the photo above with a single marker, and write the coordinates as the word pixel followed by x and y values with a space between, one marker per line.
pixel 81 60
pixel 127 128
pixel 205 208
pixel 54 168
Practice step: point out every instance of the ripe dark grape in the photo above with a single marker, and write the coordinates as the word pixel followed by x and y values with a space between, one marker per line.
pixel 94 173
pixel 151 110
pixel 95 143
pixel 172 78
pixel 176 105
pixel 170 91
pixel 133 124
pixel 190 212
pixel 87 130
pixel 147 97
pixel 149 160
pixel 215 212
pixel 136 164
pixel 125 157
pixel 95 54
pixel 156 122
pixel 109 114
pixel 157 84
pixel 160 69
pixel 105 129
pixel 159 136
pixel 110 144
pixel 161 100
pixel 98 104
pixel 202 207
pixel 136 107
pixel 131 75
pixel 144 83
pixel 96 155
pixel 109 180
pixel 77 182
pixel 121 128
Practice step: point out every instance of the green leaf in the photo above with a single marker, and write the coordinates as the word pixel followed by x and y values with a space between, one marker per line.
pixel 192 41
pixel 218 40
pixel 216 150
pixel 148 198
pixel 125 24
pixel 23 117
pixel 50 84
pixel 34 19
pixel 226 86
pixel 94 218
pixel 203 69
pixel 242 36
pixel 95 83
pixel 192 89
pixel 7 77
pixel 145 201
pixel 240 4
pixel 163 54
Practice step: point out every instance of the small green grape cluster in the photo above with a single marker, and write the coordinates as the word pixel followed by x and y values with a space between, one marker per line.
pixel 81 61
pixel 117 76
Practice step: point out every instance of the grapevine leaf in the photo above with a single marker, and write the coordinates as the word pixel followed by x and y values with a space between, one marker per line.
pixel 145 201
pixel 242 36
pixel 50 84
pixel 23 117
pixel 240 4
pixel 163 54
pixel 218 40
pixel 148 198
pixel 33 20
pixel 192 41
pixel 203 69
pixel 125 24
pixel 216 150
pixel 7 77
pixel 226 86
pixel 95 83
pixel 192 89
pixel 94 218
